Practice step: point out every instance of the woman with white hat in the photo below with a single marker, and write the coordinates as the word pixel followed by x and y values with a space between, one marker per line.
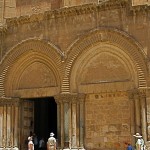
pixel 30 143
pixel 51 143
pixel 140 142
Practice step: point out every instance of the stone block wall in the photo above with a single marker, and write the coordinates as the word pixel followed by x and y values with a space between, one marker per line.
pixel 108 121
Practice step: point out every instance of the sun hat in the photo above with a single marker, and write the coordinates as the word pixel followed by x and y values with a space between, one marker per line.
pixel 138 135
pixel 51 134
pixel 29 138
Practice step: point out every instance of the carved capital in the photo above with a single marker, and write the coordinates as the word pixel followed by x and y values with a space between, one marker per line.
pixel 81 97
pixel 4 101
pixel 66 98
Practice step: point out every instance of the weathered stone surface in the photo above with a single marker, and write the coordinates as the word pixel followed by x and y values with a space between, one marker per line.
pixel 66 48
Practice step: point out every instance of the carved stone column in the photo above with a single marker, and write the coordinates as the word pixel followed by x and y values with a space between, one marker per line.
pixel 74 125
pixel 70 120
pixel 59 116
pixel 60 121
pixel 148 113
pixel 66 122
pixel 81 119
pixel 137 113
pixel 64 119
pixel 143 115
pixel 132 110
pixel 9 116
pixel 77 103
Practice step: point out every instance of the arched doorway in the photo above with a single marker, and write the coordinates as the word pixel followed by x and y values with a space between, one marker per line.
pixel 45 117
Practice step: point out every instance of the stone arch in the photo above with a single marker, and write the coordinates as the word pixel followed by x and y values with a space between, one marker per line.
pixel 120 43
pixel 25 58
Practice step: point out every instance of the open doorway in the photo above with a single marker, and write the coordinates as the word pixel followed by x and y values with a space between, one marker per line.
pixel 45 117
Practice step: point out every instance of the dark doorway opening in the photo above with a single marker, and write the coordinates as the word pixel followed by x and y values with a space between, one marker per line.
pixel 45 117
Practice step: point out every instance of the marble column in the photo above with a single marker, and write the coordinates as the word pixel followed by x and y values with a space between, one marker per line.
pixel 148 113
pixel 137 113
pixel 9 122
pixel 143 115
pixel 59 106
pixel 74 121
pixel 132 114
pixel 65 111
pixel 60 120
pixel 70 109
pixel 66 123
pixel 81 119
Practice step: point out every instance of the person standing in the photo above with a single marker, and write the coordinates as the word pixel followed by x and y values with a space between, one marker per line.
pixel 129 147
pixel 41 144
pixel 35 141
pixel 140 145
pixel 51 143
pixel 30 143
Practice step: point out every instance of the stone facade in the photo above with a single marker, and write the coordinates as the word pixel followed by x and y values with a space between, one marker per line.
pixel 93 58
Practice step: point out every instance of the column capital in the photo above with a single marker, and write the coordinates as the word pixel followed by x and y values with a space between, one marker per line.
pixel 10 101
pixel 74 98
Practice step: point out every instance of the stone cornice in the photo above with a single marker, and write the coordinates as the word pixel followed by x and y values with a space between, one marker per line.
pixel 74 11
pixel 65 12
pixel 142 9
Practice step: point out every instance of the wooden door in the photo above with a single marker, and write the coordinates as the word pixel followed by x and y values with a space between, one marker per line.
pixel 27 122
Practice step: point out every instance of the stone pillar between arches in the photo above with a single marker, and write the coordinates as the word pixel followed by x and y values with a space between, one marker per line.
pixel 70 121
pixel 81 120
pixel 137 113
pixel 140 113
pixel 132 114
pixel 9 123
pixel 143 115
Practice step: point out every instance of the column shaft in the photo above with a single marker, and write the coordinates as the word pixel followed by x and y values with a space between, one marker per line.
pixel 74 125
pixel 132 114
pixel 137 114
pixel 62 125
pixel 81 120
pixel 58 124
pixel 143 117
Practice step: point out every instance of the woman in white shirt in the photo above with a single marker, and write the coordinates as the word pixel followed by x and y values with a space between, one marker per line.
pixel 30 143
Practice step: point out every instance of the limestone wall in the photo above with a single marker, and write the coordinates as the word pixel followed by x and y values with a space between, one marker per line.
pixel 108 121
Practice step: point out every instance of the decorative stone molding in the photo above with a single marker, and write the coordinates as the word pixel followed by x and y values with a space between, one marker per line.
pixel 65 12
pixel 46 53
pixel 85 43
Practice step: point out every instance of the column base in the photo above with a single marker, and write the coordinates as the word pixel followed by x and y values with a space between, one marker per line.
pixel 78 148
pixel 9 148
